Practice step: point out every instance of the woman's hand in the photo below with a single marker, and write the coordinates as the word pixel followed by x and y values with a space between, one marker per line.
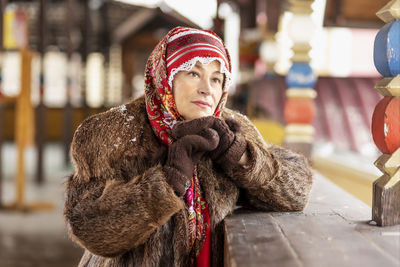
pixel 184 154
pixel 231 149
pixel 195 126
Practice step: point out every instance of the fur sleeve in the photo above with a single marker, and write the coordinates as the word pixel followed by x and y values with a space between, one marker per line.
pixel 276 179
pixel 112 205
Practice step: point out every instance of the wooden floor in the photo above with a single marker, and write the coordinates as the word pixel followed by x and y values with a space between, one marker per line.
pixel 36 239
pixel 352 179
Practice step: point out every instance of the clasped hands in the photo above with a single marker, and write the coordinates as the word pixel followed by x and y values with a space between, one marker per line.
pixel 207 136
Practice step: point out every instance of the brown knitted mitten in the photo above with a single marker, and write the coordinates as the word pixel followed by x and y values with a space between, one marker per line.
pixel 195 126
pixel 231 146
pixel 184 154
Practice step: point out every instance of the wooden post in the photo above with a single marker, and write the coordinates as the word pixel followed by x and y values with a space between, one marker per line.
pixel 105 50
pixel 41 109
pixel 24 136
pixel 24 126
pixel 67 125
pixel 3 4
pixel 299 108
pixel 218 22
pixel 1 139
pixel 24 123
pixel 386 118
pixel 85 52
pixel 128 59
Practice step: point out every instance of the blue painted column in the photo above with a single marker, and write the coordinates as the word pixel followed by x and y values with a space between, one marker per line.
pixel 386 118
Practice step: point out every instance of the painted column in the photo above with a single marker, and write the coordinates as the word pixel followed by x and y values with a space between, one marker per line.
pixel 299 108
pixel 386 118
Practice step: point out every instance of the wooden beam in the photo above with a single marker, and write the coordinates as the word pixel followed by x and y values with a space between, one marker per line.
pixel 132 24
pixel 347 13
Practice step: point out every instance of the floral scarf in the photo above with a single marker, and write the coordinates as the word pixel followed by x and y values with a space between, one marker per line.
pixel 179 50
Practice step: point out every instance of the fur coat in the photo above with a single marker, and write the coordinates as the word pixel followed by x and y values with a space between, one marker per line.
pixel 120 208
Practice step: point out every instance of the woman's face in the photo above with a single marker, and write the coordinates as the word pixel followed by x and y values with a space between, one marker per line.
pixel 197 92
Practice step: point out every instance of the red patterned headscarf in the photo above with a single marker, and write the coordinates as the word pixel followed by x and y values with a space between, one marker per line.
pixel 178 51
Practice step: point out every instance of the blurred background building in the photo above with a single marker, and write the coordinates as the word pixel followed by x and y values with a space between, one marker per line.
pixel 304 73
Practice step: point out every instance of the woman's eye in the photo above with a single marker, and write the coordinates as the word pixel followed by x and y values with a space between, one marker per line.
pixel 217 80
pixel 194 74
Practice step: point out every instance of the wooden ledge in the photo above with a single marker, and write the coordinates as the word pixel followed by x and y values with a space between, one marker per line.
pixel 334 230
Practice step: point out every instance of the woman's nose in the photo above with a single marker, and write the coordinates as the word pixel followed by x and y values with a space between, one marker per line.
pixel 205 87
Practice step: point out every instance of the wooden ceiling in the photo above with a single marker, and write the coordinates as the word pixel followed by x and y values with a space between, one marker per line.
pixel 339 13
pixel 353 13
pixel 102 23
pixel 93 29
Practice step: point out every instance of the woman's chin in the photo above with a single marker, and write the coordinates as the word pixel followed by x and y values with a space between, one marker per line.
pixel 197 115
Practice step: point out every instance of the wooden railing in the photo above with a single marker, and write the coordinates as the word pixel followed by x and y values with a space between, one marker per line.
pixel 335 229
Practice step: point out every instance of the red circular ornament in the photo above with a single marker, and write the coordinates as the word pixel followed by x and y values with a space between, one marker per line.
pixel 299 110
pixel 386 124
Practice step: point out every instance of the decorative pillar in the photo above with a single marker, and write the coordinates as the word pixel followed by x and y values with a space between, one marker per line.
pixel 299 108
pixel 386 118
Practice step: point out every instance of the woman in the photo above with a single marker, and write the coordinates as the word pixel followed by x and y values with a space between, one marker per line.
pixel 155 178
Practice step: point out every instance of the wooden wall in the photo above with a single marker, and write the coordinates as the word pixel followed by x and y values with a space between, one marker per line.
pixel 53 119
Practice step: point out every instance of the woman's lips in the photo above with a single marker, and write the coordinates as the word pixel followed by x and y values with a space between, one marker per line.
pixel 202 104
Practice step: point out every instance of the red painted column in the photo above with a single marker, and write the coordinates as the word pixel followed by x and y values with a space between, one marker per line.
pixel 386 118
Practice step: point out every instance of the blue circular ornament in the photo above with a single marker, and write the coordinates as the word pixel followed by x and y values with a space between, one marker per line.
pixel 301 75
pixel 387 49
